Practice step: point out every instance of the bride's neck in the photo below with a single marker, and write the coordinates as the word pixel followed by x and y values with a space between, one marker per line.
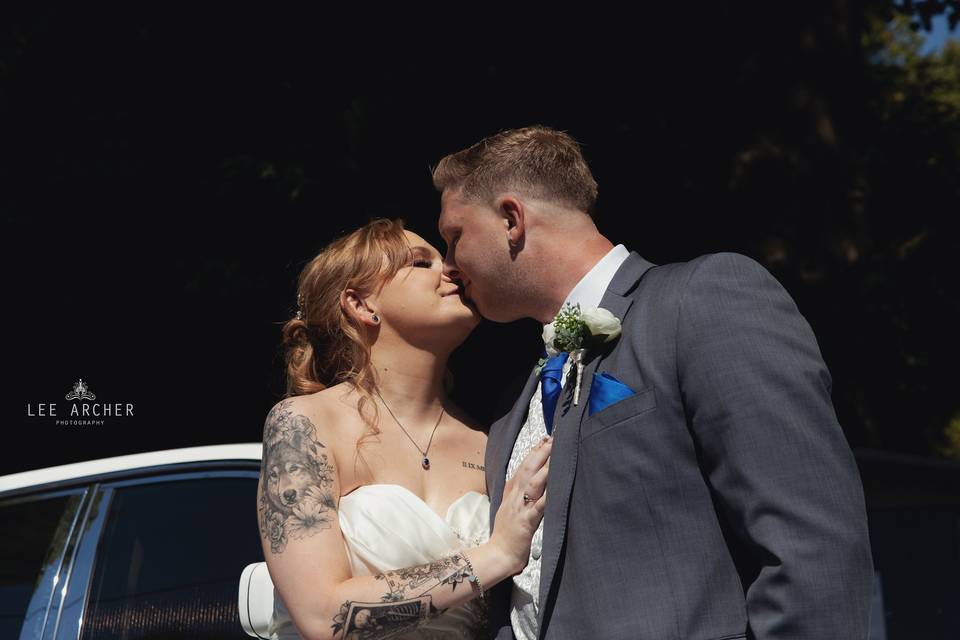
pixel 411 379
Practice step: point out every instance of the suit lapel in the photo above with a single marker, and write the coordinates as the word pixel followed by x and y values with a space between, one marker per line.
pixel 566 432
pixel 504 439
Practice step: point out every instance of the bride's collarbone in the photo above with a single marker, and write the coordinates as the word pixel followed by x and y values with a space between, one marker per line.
pixel 440 507
pixel 456 466
pixel 387 463
pixel 437 493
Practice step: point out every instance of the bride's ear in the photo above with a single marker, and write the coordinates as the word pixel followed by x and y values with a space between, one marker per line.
pixel 356 306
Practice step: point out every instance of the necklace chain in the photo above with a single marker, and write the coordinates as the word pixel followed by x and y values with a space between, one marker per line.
pixel 426 460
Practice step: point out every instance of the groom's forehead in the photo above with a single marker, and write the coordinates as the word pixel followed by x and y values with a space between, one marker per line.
pixel 449 217
pixel 452 210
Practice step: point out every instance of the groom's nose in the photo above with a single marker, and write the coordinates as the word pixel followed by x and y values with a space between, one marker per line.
pixel 454 275
pixel 450 267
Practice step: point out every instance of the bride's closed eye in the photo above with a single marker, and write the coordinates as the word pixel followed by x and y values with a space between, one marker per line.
pixel 423 263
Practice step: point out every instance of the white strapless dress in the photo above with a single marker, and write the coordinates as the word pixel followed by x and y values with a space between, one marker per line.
pixel 388 527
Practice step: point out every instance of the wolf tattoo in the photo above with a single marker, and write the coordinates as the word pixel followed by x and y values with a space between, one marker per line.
pixel 295 479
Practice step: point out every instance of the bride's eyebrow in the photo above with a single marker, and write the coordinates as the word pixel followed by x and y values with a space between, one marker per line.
pixel 421 251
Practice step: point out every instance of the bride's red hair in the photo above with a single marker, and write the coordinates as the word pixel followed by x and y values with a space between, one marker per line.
pixel 327 345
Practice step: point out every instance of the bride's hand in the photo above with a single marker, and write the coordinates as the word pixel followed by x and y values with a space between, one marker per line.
pixel 518 519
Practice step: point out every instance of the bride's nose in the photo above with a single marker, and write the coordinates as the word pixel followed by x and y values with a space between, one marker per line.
pixel 445 279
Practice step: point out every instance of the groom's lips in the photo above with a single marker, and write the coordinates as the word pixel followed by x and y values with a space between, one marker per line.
pixel 462 291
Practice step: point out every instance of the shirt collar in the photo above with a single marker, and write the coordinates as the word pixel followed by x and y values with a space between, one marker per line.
pixel 589 291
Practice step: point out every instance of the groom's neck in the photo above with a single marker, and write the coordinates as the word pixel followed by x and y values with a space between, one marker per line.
pixel 568 261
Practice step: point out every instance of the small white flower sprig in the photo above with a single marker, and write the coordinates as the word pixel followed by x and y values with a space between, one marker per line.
pixel 575 331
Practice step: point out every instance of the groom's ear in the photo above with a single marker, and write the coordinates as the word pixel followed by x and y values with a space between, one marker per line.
pixel 512 212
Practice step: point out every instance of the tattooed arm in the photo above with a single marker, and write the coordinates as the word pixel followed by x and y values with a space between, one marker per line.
pixel 297 499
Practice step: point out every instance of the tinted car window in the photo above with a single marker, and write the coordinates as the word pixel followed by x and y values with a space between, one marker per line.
pixel 914 515
pixel 917 557
pixel 169 559
pixel 31 538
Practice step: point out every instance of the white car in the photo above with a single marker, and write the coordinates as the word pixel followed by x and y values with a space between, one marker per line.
pixel 166 545
pixel 149 545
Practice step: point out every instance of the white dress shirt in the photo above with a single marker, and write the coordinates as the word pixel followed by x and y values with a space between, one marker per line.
pixel 589 291
pixel 526 584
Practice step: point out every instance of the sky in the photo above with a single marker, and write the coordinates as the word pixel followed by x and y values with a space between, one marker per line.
pixel 936 39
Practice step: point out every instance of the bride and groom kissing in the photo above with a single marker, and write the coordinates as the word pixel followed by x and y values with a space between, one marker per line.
pixel 673 467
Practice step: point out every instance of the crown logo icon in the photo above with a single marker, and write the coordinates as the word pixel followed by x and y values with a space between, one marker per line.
pixel 81 391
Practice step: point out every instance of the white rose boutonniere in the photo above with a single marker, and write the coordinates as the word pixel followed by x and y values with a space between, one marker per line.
pixel 549 333
pixel 574 331
pixel 602 323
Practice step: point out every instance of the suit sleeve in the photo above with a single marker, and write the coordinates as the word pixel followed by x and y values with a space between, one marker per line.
pixel 498 613
pixel 757 395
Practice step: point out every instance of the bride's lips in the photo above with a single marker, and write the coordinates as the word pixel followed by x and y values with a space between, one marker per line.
pixel 462 291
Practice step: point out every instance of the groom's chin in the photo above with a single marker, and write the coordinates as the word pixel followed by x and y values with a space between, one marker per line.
pixel 494 314
pixel 471 305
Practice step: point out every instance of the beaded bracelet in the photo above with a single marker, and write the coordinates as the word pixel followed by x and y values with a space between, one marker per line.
pixel 473 577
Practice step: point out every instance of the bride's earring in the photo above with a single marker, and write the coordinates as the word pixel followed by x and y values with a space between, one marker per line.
pixel 376 319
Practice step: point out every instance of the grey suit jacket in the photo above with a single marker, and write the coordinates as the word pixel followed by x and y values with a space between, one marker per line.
pixel 721 500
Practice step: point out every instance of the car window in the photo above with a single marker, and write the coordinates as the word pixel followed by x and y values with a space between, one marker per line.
pixel 32 538
pixel 917 559
pixel 913 508
pixel 169 558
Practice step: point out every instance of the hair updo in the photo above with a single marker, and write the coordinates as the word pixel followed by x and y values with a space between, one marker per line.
pixel 326 346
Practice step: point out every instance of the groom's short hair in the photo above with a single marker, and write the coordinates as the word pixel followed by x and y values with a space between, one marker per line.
pixel 536 161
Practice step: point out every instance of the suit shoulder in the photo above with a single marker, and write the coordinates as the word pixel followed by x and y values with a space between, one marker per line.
pixel 674 276
pixel 727 267
pixel 719 260
pixel 724 284
pixel 724 260
pixel 707 276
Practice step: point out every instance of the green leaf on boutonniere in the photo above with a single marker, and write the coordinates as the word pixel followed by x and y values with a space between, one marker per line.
pixel 570 331
pixel 540 363
pixel 574 329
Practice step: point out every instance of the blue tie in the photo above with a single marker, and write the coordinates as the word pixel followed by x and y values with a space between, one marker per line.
pixel 550 387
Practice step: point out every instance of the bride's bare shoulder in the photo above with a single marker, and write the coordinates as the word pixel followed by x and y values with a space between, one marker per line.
pixel 338 398
pixel 332 412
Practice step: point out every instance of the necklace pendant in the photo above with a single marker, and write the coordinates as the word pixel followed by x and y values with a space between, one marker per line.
pixel 426 462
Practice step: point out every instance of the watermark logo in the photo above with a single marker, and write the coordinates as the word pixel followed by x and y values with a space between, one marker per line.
pixel 82 410
pixel 80 390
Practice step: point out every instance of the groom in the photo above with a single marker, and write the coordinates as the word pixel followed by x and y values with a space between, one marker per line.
pixel 717 500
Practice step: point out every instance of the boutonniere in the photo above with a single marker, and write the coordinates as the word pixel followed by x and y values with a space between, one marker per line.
pixel 574 331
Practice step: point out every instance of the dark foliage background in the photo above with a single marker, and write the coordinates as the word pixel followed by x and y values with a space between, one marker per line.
pixel 166 174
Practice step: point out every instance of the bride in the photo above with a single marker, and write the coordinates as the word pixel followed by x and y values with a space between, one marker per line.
pixel 372 504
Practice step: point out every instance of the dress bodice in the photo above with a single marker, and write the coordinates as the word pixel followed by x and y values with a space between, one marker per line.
pixel 387 527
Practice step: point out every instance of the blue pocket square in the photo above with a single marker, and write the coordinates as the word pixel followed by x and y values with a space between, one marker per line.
pixel 605 390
